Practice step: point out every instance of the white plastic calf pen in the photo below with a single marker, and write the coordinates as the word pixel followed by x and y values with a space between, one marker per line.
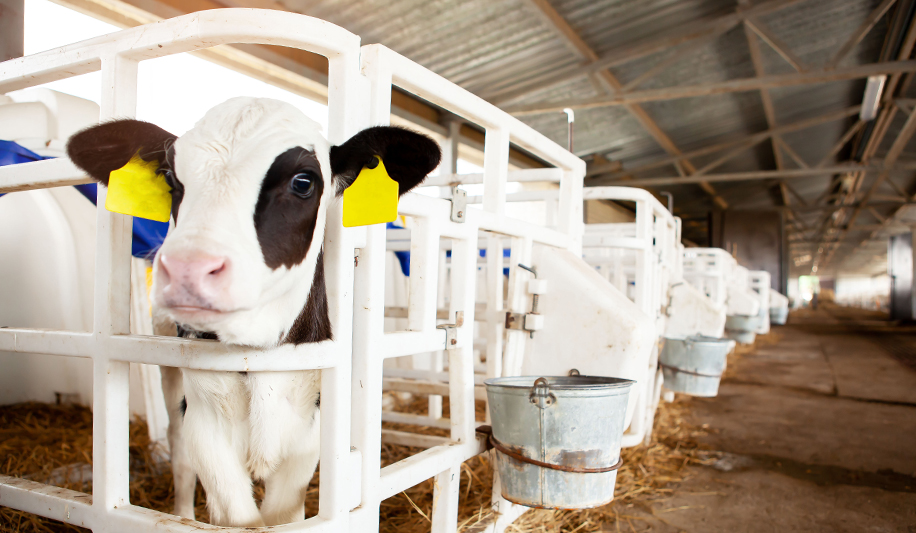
pixel 359 81
pixel 644 252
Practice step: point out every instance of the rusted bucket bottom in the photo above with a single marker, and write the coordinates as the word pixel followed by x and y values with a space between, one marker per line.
pixel 566 490
pixel 744 337
pixel 691 383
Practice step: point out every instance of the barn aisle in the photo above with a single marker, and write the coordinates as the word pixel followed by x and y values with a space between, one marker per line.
pixel 817 430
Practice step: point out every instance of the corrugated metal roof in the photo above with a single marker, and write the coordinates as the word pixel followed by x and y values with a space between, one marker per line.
pixel 494 46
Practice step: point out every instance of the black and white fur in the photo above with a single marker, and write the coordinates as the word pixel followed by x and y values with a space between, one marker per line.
pixel 251 185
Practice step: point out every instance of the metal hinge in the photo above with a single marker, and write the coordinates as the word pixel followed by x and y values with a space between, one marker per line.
pixel 451 330
pixel 459 205
pixel 532 321
pixel 524 321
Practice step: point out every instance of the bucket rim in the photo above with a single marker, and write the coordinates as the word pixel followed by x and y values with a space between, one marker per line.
pixel 577 383
pixel 700 339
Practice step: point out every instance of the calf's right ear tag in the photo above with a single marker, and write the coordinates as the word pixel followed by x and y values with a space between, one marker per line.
pixel 136 189
pixel 372 198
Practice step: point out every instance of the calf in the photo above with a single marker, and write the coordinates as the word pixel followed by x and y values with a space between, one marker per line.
pixel 250 184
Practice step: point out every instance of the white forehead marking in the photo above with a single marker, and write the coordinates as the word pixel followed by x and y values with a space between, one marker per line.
pixel 240 138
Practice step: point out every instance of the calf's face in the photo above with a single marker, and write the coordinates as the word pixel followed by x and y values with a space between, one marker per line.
pixel 251 184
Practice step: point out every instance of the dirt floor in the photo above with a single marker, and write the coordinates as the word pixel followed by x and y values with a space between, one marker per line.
pixel 816 432
pixel 814 429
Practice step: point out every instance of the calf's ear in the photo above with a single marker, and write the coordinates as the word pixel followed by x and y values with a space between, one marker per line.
pixel 101 149
pixel 408 156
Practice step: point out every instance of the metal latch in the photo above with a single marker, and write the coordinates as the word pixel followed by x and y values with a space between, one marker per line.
pixel 459 204
pixel 451 330
pixel 529 321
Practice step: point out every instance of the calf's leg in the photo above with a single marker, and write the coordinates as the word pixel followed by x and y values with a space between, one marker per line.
pixel 216 437
pixel 284 498
pixel 184 478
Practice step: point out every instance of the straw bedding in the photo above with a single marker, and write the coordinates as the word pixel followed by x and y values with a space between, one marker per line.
pixel 53 444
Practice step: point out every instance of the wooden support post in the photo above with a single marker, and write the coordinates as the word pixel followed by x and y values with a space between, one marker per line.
pixel 12 29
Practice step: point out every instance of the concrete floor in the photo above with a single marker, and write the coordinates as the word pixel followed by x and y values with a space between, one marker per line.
pixel 818 432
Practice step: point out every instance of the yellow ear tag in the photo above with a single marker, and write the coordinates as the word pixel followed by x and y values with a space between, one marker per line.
pixel 137 190
pixel 371 199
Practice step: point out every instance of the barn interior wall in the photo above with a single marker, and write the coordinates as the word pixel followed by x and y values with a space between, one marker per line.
pixel 900 270
pixel 756 239
pixel 603 212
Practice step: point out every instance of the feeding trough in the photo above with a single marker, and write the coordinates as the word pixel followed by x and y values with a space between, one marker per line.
pixel 558 438
pixel 742 328
pixel 694 365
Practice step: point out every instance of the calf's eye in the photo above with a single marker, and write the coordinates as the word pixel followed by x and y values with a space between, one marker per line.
pixel 303 184
pixel 169 177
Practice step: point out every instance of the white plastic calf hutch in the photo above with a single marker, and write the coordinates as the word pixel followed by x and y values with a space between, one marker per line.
pixel 779 308
pixel 716 273
pixel 51 235
pixel 759 283
pixel 571 296
pixel 353 484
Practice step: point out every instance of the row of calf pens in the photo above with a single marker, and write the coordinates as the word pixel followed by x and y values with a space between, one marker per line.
pixel 498 285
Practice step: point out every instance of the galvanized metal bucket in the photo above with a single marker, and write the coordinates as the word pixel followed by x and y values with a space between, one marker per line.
pixel 779 315
pixel 742 328
pixel 557 439
pixel 694 365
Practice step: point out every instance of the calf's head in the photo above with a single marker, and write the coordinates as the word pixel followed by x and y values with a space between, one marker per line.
pixel 250 185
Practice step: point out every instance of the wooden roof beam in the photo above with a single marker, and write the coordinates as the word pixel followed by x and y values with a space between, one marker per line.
pixel 732 143
pixel 859 34
pixel 730 86
pixel 584 51
pixel 775 43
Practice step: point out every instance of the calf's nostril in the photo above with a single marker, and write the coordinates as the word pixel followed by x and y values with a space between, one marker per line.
pixel 216 271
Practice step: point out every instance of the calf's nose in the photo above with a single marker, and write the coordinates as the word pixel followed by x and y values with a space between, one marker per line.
pixel 192 279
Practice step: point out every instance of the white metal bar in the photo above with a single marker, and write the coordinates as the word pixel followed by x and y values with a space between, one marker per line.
pixel 445 500
pixel 202 29
pixel 40 175
pixel 56 503
pixel 416 420
pixel 406 373
pixel 495 170
pixel 348 113
pixel 425 387
pixel 403 343
pixel 50 342
pixel 111 308
pixel 405 438
pixel 418 468
pixel 520 176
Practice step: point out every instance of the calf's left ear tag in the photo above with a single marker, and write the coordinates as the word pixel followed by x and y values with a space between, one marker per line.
pixel 137 190
pixel 372 198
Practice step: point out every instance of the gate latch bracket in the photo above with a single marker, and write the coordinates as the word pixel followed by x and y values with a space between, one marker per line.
pixel 451 330
pixel 459 205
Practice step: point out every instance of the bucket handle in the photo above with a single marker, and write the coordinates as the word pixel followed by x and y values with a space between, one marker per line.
pixel 540 394
pixel 493 442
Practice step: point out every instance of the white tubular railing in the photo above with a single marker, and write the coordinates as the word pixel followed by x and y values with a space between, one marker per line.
pixel 385 68
pixel 709 270
pixel 654 239
pixel 110 345
pixel 354 483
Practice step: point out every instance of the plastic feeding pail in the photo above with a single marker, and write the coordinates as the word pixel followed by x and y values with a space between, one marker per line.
pixel 557 439
pixel 695 365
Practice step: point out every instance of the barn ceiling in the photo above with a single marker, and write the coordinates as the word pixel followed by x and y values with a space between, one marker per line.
pixel 727 104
